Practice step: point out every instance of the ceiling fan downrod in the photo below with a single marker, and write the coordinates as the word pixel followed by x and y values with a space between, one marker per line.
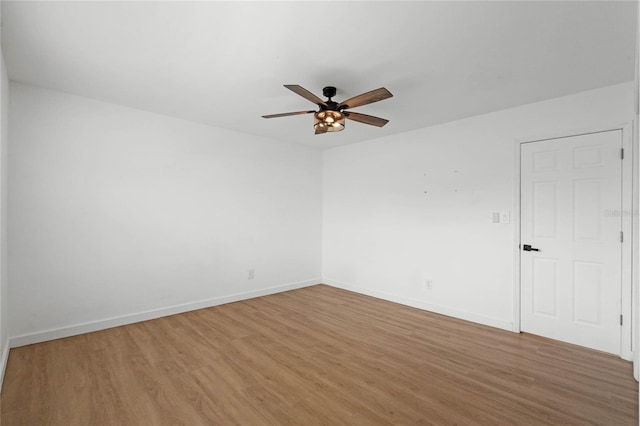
pixel 329 92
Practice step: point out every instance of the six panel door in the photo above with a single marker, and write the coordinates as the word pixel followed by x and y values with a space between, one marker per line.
pixel 571 197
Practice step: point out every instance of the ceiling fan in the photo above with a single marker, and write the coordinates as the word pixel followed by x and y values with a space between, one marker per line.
pixel 331 115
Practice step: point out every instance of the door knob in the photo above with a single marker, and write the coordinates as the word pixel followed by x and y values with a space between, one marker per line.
pixel 527 247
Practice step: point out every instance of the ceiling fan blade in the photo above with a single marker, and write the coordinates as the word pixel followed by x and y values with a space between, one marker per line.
pixel 285 114
pixel 366 119
pixel 305 94
pixel 366 98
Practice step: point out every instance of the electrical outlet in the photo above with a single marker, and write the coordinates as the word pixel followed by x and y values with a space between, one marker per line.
pixel 428 284
pixel 495 217
pixel 251 274
pixel 505 217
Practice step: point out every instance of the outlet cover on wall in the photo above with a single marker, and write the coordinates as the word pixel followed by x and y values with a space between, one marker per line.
pixel 505 217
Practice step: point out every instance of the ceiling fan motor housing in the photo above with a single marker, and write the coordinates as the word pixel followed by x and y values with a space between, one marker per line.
pixel 329 118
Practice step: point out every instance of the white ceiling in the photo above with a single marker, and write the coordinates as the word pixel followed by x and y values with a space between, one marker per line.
pixel 224 63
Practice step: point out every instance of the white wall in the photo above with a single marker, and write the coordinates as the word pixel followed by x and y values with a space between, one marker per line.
pixel 115 212
pixel 4 282
pixel 403 209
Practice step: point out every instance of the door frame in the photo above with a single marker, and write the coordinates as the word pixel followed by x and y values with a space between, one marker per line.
pixel 629 224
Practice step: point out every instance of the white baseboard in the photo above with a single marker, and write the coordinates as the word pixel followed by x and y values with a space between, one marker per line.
pixel 58 333
pixel 443 310
pixel 4 360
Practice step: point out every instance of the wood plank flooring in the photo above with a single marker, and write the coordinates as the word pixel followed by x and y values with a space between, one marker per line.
pixel 314 356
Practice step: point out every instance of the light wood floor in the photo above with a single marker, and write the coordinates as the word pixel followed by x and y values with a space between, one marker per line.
pixel 318 355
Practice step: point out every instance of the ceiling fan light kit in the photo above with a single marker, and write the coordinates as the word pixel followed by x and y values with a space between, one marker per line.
pixel 331 115
pixel 328 121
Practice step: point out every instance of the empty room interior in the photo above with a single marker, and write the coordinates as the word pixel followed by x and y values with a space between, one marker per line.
pixel 337 213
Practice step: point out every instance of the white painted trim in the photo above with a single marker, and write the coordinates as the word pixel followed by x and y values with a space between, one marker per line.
pixel 443 310
pixel 516 233
pixel 605 127
pixel 58 333
pixel 629 200
pixel 3 361
pixel 628 205
pixel 635 258
pixel 636 194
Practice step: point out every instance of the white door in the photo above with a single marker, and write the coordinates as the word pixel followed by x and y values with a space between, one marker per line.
pixel 571 188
